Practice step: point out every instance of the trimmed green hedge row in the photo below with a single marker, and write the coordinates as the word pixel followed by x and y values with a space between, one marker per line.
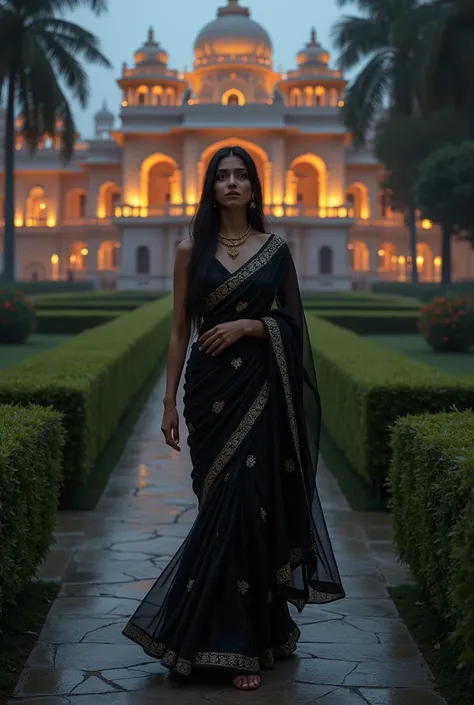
pixel 73 322
pixel 30 477
pixel 91 378
pixel 54 287
pixel 364 305
pixel 425 291
pixel 373 322
pixel 365 388
pixel 81 304
pixel 432 487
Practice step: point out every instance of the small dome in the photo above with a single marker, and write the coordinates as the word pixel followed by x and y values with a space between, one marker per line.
pixel 151 52
pixel 233 34
pixel 104 114
pixel 313 54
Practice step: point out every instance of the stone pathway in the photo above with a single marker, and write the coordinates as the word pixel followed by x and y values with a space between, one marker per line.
pixel 353 652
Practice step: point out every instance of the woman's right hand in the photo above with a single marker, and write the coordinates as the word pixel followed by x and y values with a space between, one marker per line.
pixel 170 428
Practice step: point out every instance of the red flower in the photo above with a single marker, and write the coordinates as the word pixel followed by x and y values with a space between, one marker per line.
pixel 7 304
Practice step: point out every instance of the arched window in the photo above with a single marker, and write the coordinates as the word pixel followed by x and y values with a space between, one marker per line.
pixel 143 260
pixel 325 260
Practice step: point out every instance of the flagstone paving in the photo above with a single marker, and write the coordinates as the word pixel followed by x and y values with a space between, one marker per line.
pixel 353 652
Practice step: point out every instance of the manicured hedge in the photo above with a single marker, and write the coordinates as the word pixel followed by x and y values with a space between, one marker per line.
pixel 365 388
pixel 363 305
pixel 82 304
pixel 91 379
pixel 432 486
pixel 30 477
pixel 373 322
pixel 73 322
pixel 51 287
pixel 425 291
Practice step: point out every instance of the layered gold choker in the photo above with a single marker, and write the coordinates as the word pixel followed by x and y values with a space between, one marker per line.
pixel 232 244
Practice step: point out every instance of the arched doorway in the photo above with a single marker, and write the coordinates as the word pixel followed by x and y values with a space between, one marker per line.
pixel 36 207
pixel 77 260
pixel 360 256
pixel 76 203
pixel 424 262
pixel 233 97
pixel 160 181
pixel 325 260
pixel 306 183
pixel 108 199
pixel 387 258
pixel 108 255
pixel 35 271
pixel 357 198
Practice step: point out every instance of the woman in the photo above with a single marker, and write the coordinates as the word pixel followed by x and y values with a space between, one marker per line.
pixel 253 417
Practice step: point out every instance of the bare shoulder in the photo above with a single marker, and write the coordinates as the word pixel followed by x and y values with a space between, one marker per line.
pixel 185 247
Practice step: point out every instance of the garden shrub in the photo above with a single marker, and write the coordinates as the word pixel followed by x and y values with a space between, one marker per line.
pixel 73 321
pixel 373 322
pixel 447 323
pixel 30 477
pixel 424 291
pixel 17 316
pixel 364 389
pixel 91 379
pixel 432 497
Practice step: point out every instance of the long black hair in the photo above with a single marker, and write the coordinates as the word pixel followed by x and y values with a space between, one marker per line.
pixel 206 224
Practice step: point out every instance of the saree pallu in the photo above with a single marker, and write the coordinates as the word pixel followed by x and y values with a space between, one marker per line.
pixel 260 540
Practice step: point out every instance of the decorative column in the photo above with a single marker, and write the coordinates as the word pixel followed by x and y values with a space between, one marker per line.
pixel 278 169
pixel 190 154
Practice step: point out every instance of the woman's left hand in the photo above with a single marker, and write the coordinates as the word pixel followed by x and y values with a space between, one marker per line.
pixel 219 338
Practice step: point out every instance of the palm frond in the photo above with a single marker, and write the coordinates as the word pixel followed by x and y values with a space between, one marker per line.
pixel 55 7
pixel 358 37
pixel 66 67
pixel 364 99
pixel 72 39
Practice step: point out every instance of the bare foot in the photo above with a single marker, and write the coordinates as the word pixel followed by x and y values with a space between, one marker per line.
pixel 244 682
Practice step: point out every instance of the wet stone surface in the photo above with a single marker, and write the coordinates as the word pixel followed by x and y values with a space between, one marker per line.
pixel 353 652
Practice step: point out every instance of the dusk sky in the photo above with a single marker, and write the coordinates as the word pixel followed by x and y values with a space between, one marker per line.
pixel 123 29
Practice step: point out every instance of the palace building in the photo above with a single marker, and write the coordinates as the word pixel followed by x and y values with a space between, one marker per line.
pixel 116 212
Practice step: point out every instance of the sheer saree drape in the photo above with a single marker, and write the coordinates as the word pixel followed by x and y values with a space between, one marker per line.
pixel 260 538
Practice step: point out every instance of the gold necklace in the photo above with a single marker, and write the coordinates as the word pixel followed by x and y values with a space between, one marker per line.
pixel 232 244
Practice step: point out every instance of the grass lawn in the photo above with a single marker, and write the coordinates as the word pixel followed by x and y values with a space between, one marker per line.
pixel 414 346
pixel 20 626
pixel 432 637
pixel 15 353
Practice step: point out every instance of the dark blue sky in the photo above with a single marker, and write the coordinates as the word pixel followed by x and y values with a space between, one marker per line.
pixel 176 25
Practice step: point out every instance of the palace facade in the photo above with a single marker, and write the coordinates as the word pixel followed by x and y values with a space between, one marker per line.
pixel 115 214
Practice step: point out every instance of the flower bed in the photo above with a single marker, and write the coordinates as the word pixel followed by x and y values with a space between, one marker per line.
pixel 447 323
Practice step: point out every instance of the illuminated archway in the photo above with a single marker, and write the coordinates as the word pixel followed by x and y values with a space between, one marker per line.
pixel 108 255
pixel 387 257
pixel 165 169
pixel 357 196
pixel 424 261
pixel 233 97
pixel 108 198
pixel 36 206
pixel 77 259
pixel 142 95
pixel 360 256
pixel 258 154
pixel 76 203
pixel 296 99
pixel 319 179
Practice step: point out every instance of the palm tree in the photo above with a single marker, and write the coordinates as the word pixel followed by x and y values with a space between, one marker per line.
pixel 448 73
pixel 385 38
pixel 38 53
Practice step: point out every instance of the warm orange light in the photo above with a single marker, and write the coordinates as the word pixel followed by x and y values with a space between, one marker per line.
pixel 51 222
pixel 350 247
pixel 420 260
pixel 73 259
pixel 118 212
pixel 124 103
pixel 341 104
pixel 394 259
pixel 401 260
pixel 19 222
pixel 426 224
pixel 278 211
pixel 381 253
pixel 42 206
pixel 84 251
pixel 54 259
pixel 438 261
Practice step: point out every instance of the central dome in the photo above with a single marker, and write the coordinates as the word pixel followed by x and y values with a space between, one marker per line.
pixel 233 36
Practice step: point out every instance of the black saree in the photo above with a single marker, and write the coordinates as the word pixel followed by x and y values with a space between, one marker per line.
pixel 260 539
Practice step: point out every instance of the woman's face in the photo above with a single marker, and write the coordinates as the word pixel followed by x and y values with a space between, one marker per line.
pixel 232 188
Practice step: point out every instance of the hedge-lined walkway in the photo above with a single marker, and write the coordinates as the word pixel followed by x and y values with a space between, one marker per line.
pixel 354 652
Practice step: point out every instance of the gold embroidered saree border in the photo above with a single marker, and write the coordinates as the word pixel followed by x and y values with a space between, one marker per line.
pixel 237 438
pixel 235 280
pixel 234 662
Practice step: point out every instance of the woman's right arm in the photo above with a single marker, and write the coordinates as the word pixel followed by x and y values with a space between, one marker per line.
pixel 178 345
